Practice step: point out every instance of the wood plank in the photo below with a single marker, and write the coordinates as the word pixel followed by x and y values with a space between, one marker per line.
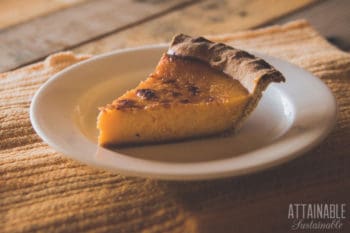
pixel 14 12
pixel 28 42
pixel 207 17
pixel 330 18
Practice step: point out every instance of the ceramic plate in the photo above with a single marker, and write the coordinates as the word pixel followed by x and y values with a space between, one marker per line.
pixel 290 119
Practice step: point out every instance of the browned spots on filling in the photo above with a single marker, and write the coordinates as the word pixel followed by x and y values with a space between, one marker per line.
pixel 176 94
pixel 168 80
pixel 193 89
pixel 126 103
pixel 185 101
pixel 146 94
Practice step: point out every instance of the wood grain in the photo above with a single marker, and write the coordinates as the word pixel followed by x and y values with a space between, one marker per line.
pixel 330 18
pixel 63 29
pixel 207 17
pixel 14 12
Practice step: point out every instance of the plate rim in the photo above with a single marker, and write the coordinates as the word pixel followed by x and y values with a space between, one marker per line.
pixel 177 176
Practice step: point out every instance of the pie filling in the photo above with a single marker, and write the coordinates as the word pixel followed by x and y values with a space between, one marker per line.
pixel 183 98
pixel 199 88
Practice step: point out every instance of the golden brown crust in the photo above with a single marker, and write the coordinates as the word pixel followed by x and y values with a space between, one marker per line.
pixel 249 70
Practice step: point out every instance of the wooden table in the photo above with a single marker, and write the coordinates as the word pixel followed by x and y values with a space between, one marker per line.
pixel 32 29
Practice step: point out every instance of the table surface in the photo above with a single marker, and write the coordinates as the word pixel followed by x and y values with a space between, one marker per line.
pixel 30 30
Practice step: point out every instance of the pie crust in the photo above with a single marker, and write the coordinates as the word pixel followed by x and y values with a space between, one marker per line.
pixel 252 72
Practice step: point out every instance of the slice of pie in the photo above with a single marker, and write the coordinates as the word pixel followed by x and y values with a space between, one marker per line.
pixel 198 88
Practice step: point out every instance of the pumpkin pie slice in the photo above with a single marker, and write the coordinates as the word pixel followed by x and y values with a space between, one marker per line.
pixel 198 88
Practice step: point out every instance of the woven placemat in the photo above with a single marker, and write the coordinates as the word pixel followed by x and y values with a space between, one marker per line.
pixel 43 191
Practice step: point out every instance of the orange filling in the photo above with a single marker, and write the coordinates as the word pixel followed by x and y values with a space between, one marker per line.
pixel 183 98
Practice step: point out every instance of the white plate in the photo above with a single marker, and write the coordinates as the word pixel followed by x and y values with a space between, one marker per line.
pixel 290 119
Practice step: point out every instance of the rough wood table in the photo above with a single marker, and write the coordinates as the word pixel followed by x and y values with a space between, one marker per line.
pixel 30 30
